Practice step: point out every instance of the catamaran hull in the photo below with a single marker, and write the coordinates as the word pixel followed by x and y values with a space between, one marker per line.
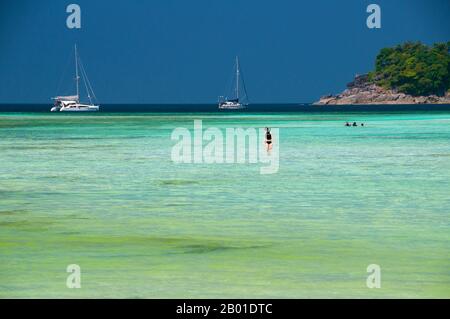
pixel 80 109
pixel 232 107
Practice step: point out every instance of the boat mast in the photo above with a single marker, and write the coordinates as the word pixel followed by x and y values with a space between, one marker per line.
pixel 77 78
pixel 237 78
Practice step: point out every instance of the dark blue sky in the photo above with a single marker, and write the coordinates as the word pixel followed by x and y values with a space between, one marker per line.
pixel 178 51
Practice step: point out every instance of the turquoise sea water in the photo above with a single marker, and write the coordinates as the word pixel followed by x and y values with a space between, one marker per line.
pixel 102 192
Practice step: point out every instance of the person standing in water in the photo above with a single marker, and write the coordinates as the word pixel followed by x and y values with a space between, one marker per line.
pixel 268 140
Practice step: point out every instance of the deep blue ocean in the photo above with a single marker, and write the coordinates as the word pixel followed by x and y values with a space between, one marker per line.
pixel 269 107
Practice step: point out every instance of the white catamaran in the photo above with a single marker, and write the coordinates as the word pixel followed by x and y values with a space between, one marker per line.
pixel 235 103
pixel 72 103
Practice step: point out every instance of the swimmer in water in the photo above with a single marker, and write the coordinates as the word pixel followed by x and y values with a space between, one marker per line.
pixel 268 140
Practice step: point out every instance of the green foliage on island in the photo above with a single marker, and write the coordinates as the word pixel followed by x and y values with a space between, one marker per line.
pixel 414 68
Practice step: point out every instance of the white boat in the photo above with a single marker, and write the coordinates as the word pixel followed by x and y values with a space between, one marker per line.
pixel 72 103
pixel 235 103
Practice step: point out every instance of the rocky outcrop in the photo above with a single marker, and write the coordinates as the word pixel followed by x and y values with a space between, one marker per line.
pixel 362 91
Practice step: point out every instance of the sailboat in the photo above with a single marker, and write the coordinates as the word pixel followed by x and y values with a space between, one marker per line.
pixel 72 103
pixel 236 102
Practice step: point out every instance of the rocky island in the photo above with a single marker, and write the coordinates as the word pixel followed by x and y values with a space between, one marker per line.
pixel 411 73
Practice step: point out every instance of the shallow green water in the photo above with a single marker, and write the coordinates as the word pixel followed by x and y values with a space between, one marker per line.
pixel 102 192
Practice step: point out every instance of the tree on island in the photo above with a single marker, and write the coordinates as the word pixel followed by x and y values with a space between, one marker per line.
pixel 414 69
